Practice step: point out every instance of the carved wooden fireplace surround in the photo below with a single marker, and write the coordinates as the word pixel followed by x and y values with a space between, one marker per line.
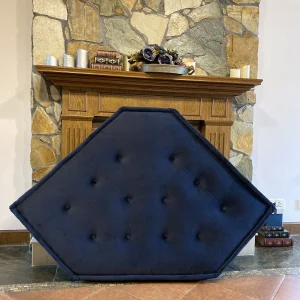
pixel 89 95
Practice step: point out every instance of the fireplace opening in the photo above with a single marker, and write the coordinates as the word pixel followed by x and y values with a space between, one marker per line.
pixel 98 121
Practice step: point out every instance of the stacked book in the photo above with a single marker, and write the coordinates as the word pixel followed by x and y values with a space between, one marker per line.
pixel 107 60
pixel 274 236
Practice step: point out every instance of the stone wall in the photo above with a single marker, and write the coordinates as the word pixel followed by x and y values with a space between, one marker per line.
pixel 218 34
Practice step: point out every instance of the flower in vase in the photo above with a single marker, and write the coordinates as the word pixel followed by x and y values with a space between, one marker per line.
pixel 165 59
pixel 178 62
pixel 149 53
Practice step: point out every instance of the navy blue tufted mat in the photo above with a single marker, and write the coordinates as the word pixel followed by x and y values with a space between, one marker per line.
pixel 145 197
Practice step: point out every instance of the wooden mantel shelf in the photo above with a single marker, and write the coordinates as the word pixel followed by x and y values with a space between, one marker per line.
pixel 120 82
pixel 89 96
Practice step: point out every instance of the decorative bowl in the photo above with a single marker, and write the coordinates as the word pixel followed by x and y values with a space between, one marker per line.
pixel 160 68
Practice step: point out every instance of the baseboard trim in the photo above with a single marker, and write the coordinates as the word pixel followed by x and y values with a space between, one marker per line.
pixel 14 237
pixel 292 227
pixel 21 237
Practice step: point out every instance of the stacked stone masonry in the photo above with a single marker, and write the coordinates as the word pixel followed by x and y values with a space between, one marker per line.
pixel 217 34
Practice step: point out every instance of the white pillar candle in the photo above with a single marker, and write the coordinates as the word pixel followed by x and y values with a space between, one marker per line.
pixel 51 61
pixel 125 63
pixel 235 73
pixel 245 72
pixel 69 61
pixel 82 58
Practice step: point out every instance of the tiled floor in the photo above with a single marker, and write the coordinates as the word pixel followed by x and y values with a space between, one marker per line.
pixel 264 288
pixel 18 280
pixel 15 264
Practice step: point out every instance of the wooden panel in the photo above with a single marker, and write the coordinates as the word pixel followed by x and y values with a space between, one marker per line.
pixel 218 140
pixel 78 101
pixel 121 82
pixel 219 136
pixel 108 103
pixel 219 108
pixel 80 106
pixel 73 134
pixel 14 237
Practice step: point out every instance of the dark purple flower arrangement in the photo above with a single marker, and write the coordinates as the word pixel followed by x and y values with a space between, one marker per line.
pixel 154 54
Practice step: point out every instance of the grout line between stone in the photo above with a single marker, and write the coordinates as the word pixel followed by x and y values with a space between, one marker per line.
pixel 190 290
pixel 277 290
pixel 8 297
pixel 228 289
pixel 128 293
pixel 95 293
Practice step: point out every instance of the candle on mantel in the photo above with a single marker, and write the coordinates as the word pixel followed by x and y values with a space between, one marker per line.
pixel 69 60
pixel 51 61
pixel 125 63
pixel 235 73
pixel 245 72
pixel 82 58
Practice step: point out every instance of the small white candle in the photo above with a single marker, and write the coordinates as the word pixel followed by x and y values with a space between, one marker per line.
pixel 125 63
pixel 51 61
pixel 245 72
pixel 82 58
pixel 235 73
pixel 69 61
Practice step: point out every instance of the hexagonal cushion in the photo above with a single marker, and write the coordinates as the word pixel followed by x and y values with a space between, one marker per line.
pixel 145 197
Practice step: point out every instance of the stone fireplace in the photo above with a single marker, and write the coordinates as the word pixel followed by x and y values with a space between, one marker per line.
pixel 88 95
pixel 126 26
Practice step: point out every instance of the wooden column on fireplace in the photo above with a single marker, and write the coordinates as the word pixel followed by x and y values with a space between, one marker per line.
pixel 88 94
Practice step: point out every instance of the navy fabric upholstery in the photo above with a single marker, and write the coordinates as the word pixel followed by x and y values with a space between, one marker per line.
pixel 145 197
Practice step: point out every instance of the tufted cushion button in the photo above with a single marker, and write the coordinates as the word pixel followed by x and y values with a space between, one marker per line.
pixel 199 236
pixel 224 208
pixel 93 236
pixel 172 158
pixel 197 182
pixel 94 181
pixel 165 236
pixel 128 199
pixel 164 199
pixel 128 236
pixel 67 207
pixel 119 157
